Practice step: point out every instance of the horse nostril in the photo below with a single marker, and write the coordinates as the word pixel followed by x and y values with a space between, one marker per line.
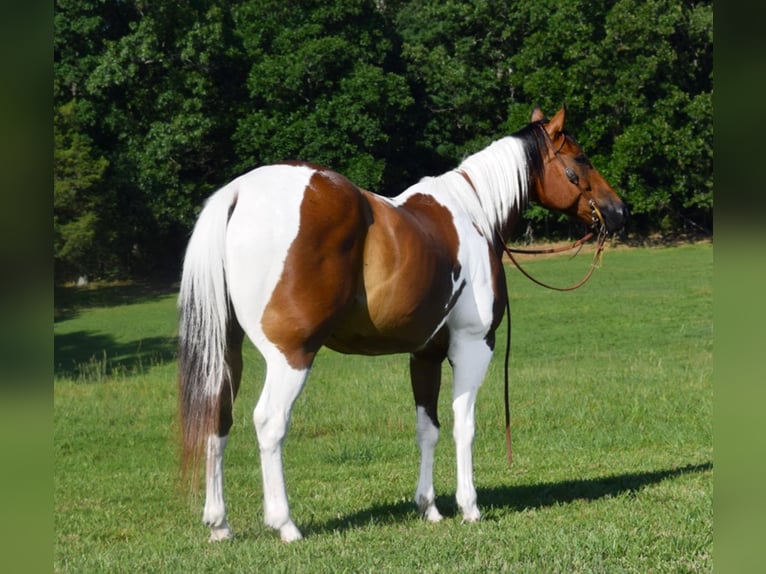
pixel 622 216
pixel 625 213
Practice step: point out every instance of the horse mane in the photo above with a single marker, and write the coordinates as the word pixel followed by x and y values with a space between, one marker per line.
pixel 501 175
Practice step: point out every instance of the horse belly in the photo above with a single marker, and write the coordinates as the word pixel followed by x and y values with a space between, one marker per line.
pixel 365 333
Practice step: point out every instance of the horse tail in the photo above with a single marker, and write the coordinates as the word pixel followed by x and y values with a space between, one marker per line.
pixel 205 312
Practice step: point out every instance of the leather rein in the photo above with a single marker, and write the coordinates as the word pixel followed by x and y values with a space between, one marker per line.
pixel 597 220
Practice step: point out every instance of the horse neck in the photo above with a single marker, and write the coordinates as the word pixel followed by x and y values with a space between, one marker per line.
pixel 501 181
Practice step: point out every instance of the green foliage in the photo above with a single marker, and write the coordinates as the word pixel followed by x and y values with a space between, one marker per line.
pixel 637 79
pixel 179 98
pixel 78 201
pixel 320 88
pixel 453 52
pixel 612 400
pixel 662 154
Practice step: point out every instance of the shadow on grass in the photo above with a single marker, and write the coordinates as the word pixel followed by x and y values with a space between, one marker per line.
pixel 69 300
pixel 518 498
pixel 89 357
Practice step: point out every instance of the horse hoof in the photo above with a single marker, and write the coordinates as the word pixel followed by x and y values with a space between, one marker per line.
pixel 432 514
pixel 218 534
pixel 290 533
pixel 471 516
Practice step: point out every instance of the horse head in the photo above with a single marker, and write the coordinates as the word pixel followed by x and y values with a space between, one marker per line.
pixel 570 184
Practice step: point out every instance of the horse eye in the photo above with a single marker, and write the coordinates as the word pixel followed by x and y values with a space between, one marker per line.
pixel 583 160
pixel 572 175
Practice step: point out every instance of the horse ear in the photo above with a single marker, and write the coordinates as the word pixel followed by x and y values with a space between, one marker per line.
pixel 537 114
pixel 556 126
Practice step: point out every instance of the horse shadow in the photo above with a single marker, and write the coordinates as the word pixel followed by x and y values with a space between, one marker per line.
pixel 517 498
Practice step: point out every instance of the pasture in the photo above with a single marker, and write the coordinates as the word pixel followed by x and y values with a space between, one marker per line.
pixel 611 399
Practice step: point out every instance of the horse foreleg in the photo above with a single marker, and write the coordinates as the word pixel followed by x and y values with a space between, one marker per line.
pixel 214 514
pixel 469 360
pixel 272 418
pixel 425 374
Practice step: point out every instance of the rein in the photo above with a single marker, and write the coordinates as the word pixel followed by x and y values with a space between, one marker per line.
pixel 576 245
pixel 510 251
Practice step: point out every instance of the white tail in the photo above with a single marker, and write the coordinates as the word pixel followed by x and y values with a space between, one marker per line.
pixel 203 303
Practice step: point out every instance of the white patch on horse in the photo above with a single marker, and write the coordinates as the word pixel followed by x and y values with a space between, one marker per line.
pixel 214 514
pixel 271 418
pixel 427 437
pixel 260 232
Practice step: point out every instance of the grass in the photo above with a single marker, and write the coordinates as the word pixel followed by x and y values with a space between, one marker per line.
pixel 611 394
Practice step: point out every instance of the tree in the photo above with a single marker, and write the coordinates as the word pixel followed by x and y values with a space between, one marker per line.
pixel 662 157
pixel 637 76
pixel 78 207
pixel 158 104
pixel 160 95
pixel 457 56
pixel 322 87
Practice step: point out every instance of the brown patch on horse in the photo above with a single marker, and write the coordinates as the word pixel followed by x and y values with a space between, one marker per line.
pixel 500 290
pixel 234 339
pixel 426 372
pixel 406 288
pixel 321 270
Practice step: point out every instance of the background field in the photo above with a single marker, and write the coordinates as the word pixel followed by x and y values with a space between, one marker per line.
pixel 611 398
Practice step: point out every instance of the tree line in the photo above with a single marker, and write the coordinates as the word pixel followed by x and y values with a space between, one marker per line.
pixel 156 104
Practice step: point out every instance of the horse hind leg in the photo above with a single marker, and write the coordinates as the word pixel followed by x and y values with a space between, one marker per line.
pixel 425 375
pixel 214 513
pixel 271 418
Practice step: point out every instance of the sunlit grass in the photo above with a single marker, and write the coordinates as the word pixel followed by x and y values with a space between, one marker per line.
pixel 611 397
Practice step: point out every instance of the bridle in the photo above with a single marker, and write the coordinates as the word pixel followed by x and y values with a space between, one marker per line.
pixel 597 220
pixel 596 217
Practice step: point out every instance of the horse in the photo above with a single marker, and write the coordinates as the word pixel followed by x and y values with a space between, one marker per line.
pixel 297 257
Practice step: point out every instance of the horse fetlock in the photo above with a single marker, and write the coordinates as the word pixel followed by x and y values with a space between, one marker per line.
pixel 467 504
pixel 214 516
pixel 427 507
pixel 432 514
pixel 471 513
pixel 288 532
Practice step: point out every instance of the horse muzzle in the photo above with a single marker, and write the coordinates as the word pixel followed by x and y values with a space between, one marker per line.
pixel 612 216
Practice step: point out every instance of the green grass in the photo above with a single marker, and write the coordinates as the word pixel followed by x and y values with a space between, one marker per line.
pixel 611 397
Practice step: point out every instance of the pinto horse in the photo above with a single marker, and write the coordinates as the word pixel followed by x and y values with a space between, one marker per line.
pixel 296 256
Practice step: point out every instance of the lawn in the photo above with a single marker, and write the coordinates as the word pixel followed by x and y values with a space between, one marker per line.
pixel 611 398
